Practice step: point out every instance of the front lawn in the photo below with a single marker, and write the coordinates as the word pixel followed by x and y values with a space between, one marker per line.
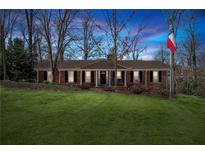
pixel 44 117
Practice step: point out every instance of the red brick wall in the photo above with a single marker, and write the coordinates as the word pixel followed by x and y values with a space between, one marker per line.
pixel 40 76
pixel 128 76
pixel 148 79
pixel 163 81
pixel 56 76
pixel 164 78
pixel 94 76
pixel 143 77
pixel 62 77
pixel 78 77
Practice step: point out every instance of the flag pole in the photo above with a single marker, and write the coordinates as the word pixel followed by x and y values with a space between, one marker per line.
pixel 171 76
pixel 171 88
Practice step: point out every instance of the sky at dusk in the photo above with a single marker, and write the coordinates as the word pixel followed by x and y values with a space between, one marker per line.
pixel 156 31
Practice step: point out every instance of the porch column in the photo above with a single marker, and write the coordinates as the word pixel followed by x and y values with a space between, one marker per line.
pixel 145 79
pixel 96 78
pixel 37 76
pixel 125 78
pixel 109 78
pixel 99 77
pixel 81 77
pixel 59 77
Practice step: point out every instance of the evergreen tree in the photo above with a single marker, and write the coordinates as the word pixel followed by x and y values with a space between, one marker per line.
pixel 19 61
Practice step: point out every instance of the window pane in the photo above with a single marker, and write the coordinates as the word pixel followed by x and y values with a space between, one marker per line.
pixel 66 76
pixel 151 76
pixel 119 75
pixel 155 75
pixel 87 76
pixel 45 75
pixel 70 76
pixel 136 75
pixel 49 76
pixel 131 76
pixel 140 76
pixel 160 76
pixel 75 76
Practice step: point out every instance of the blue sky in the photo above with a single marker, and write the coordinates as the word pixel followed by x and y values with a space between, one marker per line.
pixel 156 31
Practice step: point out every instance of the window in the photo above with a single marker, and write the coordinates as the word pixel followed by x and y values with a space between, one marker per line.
pixel 140 76
pixel 83 76
pixel 160 76
pixel 131 76
pixel 75 76
pixel 70 76
pixel 119 75
pixel 92 76
pixel 66 76
pixel 136 75
pixel 45 75
pixel 151 76
pixel 155 76
pixel 87 76
pixel 50 77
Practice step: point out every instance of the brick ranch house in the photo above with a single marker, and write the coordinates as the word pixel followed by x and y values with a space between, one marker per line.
pixel 98 73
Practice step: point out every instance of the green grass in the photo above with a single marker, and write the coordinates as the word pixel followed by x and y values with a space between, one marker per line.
pixel 42 117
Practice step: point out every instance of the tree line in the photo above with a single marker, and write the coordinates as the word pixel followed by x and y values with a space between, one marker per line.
pixel 63 34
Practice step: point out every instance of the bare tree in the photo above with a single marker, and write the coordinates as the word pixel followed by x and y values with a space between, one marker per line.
pixel 7 21
pixel 191 45
pixel 162 55
pixel 55 30
pixel 115 27
pixel 30 20
pixel 131 44
pixel 38 45
pixel 86 41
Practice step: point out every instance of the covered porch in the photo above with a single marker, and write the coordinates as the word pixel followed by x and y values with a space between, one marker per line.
pixel 103 77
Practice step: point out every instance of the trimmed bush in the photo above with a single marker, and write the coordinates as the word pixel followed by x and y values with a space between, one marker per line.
pixel 137 89
pixel 46 82
pixel 86 86
pixel 109 89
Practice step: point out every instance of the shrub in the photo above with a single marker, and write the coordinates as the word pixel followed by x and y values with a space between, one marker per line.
pixel 109 89
pixel 86 86
pixel 119 82
pixel 137 89
pixel 71 85
pixel 46 82
pixel 163 91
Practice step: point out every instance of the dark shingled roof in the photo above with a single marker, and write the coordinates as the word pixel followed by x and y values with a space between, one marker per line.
pixel 143 64
pixel 104 64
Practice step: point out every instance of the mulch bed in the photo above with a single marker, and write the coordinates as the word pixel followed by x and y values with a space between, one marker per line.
pixel 37 86
pixel 60 87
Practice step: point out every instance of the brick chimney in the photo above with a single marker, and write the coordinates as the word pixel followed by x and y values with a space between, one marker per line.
pixel 110 57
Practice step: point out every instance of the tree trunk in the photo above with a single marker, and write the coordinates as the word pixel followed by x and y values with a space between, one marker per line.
pixel 3 51
pixel 194 65
pixel 115 44
pixel 29 19
pixel 85 56
pixel 61 57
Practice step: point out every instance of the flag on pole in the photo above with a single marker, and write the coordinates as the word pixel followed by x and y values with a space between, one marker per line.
pixel 171 43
